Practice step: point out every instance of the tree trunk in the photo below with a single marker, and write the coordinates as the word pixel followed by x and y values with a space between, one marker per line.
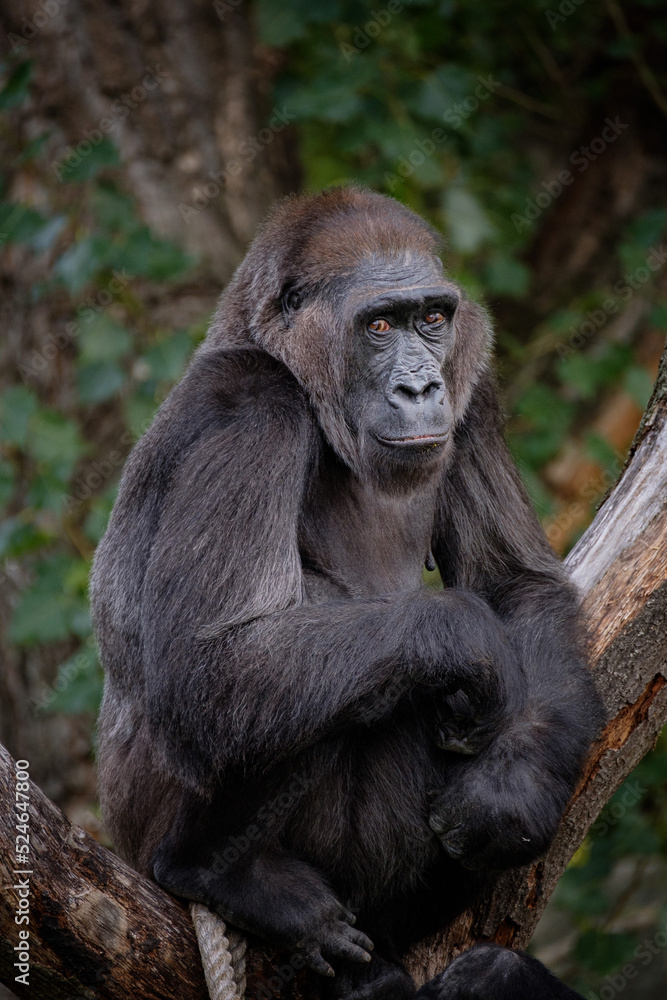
pixel 99 928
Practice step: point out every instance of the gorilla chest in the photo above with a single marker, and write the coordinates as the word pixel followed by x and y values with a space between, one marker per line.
pixel 358 541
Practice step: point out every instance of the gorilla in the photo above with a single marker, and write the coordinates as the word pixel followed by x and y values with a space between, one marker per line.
pixel 296 730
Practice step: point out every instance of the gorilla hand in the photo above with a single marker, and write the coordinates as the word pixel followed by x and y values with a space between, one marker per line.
pixel 493 811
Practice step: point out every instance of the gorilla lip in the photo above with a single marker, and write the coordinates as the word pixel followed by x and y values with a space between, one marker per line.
pixel 419 439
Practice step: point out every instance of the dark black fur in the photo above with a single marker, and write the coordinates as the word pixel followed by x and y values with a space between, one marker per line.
pixel 283 695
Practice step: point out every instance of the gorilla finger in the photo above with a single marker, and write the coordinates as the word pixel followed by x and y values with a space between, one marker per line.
pixel 348 916
pixel 313 958
pixel 358 937
pixel 342 948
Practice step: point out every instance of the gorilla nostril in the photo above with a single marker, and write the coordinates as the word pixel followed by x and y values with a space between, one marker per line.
pixel 406 391
pixel 416 391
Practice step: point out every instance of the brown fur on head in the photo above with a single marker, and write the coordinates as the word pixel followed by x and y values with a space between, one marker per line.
pixel 320 245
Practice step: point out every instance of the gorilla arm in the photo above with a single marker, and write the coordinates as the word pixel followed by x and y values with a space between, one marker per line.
pixel 488 539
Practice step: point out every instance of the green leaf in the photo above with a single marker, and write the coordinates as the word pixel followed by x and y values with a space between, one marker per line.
pixel 648 230
pixel 98 517
pixel 54 440
pixel 639 385
pixel 47 491
pixel 98 381
pixel 17 88
pixel 114 211
pixel 54 606
pixel 18 538
pixel 20 223
pixel 17 405
pixel 40 616
pixel 602 452
pixel 78 686
pixel 141 253
pixel 82 162
pixel 506 276
pixel 604 952
pixel 7 482
pixel 448 86
pixel 577 372
pixel 658 315
pixel 281 24
pixel 467 226
pixel 138 411
pixel 81 262
pixel 168 357
pixel 47 235
pixel 101 338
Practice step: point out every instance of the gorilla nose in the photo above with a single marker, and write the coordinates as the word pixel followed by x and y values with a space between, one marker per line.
pixel 415 388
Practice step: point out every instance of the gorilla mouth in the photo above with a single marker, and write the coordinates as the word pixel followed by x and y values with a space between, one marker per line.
pixel 419 440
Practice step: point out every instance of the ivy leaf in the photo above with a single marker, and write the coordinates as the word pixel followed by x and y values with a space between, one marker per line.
pixel 17 88
pixel 101 338
pixel 80 165
pixel 55 442
pixel 466 222
pixel 78 685
pixel 20 223
pixel 99 381
pixel 17 405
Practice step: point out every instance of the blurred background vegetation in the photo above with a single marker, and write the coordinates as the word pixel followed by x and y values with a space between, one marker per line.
pixel 141 145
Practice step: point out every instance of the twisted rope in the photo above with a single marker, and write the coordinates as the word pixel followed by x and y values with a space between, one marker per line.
pixel 222 952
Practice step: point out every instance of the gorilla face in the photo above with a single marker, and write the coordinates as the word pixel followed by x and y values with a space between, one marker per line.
pixel 398 401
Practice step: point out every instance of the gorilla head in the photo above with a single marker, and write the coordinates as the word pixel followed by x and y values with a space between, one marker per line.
pixel 347 290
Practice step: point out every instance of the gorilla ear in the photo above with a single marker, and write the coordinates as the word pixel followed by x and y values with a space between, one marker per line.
pixel 290 301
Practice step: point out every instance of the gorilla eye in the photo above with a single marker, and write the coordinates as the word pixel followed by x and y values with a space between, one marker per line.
pixel 434 318
pixel 379 326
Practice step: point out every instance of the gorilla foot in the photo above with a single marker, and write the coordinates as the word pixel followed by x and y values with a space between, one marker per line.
pixel 490 972
pixel 378 980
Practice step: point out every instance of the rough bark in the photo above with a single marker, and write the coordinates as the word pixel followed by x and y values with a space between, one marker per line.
pixel 99 928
